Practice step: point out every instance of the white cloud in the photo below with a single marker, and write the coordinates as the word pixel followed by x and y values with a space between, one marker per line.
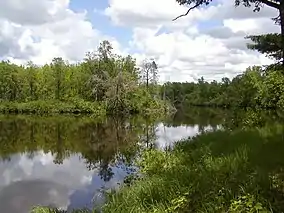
pixel 31 179
pixel 167 136
pixel 208 42
pixel 45 182
pixel 48 183
pixel 142 13
pixel 41 30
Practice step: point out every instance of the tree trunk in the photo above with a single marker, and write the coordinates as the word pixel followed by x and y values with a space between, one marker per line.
pixel 281 12
pixel 147 79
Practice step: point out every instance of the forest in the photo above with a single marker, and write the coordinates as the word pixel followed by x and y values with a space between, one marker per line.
pixel 104 83
pixel 257 87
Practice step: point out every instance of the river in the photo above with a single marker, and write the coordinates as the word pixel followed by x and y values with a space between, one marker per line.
pixel 69 162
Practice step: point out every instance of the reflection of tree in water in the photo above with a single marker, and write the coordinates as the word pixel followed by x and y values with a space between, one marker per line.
pixel 201 116
pixel 59 146
pixel 113 142
pixel 251 118
pixel 228 119
pixel 101 145
pixel 109 144
pixel 105 172
pixel 149 135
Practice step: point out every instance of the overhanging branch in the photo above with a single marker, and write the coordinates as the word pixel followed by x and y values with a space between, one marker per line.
pixel 267 2
pixel 270 4
pixel 191 8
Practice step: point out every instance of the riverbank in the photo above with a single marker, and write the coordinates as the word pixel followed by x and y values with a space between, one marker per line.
pixel 223 171
pixel 53 107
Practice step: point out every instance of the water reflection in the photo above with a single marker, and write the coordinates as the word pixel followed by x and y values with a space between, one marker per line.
pixel 19 196
pixel 168 135
pixel 69 162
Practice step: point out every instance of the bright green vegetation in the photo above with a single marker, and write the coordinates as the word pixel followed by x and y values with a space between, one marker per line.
pixel 54 107
pixel 261 87
pixel 47 210
pixel 104 83
pixel 238 168
pixel 228 170
pixel 224 161
pixel 256 87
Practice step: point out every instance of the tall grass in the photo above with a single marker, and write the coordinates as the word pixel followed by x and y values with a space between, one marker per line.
pixel 53 107
pixel 223 171
pixel 48 210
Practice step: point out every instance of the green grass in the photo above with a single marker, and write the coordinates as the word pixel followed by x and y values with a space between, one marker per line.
pixel 79 106
pixel 48 210
pixel 52 107
pixel 224 171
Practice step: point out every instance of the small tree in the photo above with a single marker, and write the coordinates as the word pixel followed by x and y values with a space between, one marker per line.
pixel 58 66
pixel 149 72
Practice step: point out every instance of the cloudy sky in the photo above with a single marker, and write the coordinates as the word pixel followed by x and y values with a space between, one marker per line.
pixel 209 42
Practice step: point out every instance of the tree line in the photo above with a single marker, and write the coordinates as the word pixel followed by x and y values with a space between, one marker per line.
pixel 256 87
pixel 111 80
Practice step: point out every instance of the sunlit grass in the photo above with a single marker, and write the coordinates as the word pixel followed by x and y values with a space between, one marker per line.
pixel 52 107
pixel 48 210
pixel 224 171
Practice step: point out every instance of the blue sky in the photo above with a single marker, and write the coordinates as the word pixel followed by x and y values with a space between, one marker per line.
pixel 101 22
pixel 121 33
pixel 28 34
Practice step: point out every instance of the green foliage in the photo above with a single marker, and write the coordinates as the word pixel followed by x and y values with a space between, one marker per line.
pixel 102 82
pixel 218 171
pixel 72 106
pixel 48 210
pixel 269 44
pixel 256 87
pixel 109 142
pixel 247 203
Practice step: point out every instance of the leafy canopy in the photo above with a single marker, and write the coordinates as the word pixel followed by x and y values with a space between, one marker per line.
pixel 269 44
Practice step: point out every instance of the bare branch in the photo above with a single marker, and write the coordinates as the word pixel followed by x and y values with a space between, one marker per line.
pixel 266 2
pixel 270 4
pixel 191 8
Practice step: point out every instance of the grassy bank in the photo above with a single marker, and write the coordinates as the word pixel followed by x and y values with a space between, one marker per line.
pixel 47 210
pixel 78 106
pixel 224 171
pixel 52 107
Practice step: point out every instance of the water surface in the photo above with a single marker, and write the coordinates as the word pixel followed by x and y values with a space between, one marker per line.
pixel 69 162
